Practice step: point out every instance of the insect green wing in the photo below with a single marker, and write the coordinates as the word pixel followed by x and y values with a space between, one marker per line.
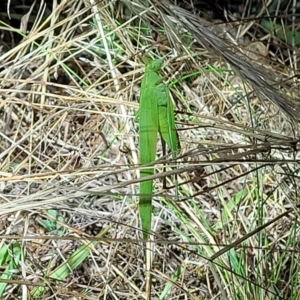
pixel 166 119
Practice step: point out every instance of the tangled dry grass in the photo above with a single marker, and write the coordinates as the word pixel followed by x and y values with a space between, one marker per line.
pixel 69 157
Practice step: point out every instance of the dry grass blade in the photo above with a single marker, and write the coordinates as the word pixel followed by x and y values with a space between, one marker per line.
pixel 262 84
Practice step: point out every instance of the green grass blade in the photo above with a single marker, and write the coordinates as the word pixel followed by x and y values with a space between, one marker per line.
pixel 10 255
pixel 75 260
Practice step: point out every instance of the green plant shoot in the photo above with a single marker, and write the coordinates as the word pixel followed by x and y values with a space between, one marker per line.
pixel 156 114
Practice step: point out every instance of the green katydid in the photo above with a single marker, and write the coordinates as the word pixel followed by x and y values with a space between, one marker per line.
pixel 156 114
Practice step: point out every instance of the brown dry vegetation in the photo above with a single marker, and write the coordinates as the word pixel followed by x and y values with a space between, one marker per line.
pixel 70 79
